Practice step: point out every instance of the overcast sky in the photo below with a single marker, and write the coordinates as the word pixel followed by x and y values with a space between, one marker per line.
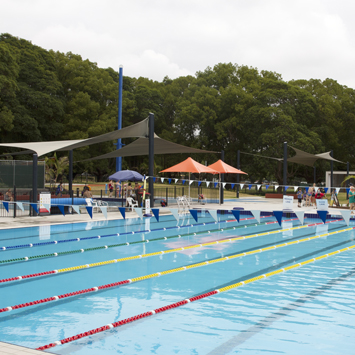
pixel 298 39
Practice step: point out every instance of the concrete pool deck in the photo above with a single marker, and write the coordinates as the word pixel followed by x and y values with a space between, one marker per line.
pixel 248 203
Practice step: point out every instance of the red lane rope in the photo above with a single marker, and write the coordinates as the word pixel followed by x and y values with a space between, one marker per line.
pixel 127 320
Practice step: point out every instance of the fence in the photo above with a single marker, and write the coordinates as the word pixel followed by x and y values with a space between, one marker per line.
pixel 19 173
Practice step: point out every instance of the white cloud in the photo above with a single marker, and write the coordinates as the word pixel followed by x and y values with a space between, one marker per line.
pixel 303 39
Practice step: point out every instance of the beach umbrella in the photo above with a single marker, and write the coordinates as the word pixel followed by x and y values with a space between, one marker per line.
pixel 189 166
pixel 224 168
pixel 126 175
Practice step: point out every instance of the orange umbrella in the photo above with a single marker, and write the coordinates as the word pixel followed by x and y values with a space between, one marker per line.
pixel 224 168
pixel 189 166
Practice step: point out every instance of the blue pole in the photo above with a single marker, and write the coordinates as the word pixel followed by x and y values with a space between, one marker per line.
pixel 119 144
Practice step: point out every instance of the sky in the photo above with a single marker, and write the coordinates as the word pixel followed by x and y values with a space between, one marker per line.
pixel 158 38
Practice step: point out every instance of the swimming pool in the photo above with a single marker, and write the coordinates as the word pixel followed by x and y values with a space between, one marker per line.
pixel 308 309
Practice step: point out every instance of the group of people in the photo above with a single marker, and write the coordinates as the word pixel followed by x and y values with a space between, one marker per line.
pixel 310 196
pixel 127 190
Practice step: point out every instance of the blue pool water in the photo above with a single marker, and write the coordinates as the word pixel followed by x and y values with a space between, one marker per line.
pixel 308 310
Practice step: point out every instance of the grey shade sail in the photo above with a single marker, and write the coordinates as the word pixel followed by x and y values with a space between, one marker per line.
pixel 262 156
pixel 22 152
pixel 308 159
pixel 141 147
pixel 41 148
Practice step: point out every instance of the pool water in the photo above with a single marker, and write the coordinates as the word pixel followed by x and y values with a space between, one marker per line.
pixel 309 309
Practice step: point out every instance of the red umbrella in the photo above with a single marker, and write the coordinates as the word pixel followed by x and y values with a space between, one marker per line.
pixel 224 168
pixel 189 166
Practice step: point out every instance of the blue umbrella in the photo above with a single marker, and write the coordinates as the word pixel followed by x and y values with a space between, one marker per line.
pixel 126 175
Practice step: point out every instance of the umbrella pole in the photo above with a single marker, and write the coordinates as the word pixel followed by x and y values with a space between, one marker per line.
pixel 219 188
pixel 189 187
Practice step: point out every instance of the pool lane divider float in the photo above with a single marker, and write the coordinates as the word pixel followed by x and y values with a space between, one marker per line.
pixel 166 272
pixel 188 300
pixel 103 247
pixel 162 252
pixel 31 245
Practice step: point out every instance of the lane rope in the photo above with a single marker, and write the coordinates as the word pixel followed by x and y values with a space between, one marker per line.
pixel 188 300
pixel 103 247
pixel 31 245
pixel 107 262
pixel 170 271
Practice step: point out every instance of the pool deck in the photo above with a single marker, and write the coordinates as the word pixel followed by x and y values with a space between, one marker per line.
pixel 10 349
pixel 248 203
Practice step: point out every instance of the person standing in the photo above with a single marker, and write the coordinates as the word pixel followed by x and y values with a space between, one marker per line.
pixel 118 189
pixel 352 199
pixel 8 195
pixel 299 196
pixel 59 190
pixel 110 188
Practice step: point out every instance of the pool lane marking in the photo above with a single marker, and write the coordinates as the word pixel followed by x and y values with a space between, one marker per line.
pixel 167 272
pixel 188 300
pixel 74 268
pixel 103 247
pixel 31 245
pixel 85 266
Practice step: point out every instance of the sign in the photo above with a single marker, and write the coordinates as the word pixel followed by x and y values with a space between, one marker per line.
pixel 44 203
pixel 322 205
pixel 147 206
pixel 288 202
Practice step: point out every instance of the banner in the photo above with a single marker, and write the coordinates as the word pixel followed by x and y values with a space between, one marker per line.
pixel 194 214
pixel 278 216
pixel 76 208
pixel 236 214
pixel 213 214
pixel 156 213
pixel 175 212
pixel 256 214
pixel 139 211
pixel 104 210
pixel 346 215
pixel 123 211
pixel 300 216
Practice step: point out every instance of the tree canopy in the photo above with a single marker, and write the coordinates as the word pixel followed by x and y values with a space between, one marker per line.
pixel 47 95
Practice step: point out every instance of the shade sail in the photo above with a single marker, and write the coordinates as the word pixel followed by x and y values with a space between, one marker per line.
pixel 141 147
pixel 309 159
pixel 41 148
pixel 224 168
pixel 190 166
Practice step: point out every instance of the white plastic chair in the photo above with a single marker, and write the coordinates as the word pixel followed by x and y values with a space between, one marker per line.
pixel 132 203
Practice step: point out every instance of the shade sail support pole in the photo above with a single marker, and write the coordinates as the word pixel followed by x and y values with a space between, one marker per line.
pixel 285 168
pixel 151 158
pixel 238 167
pixel 34 180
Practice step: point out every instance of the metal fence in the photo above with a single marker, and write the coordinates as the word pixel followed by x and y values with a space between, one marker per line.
pixel 19 173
